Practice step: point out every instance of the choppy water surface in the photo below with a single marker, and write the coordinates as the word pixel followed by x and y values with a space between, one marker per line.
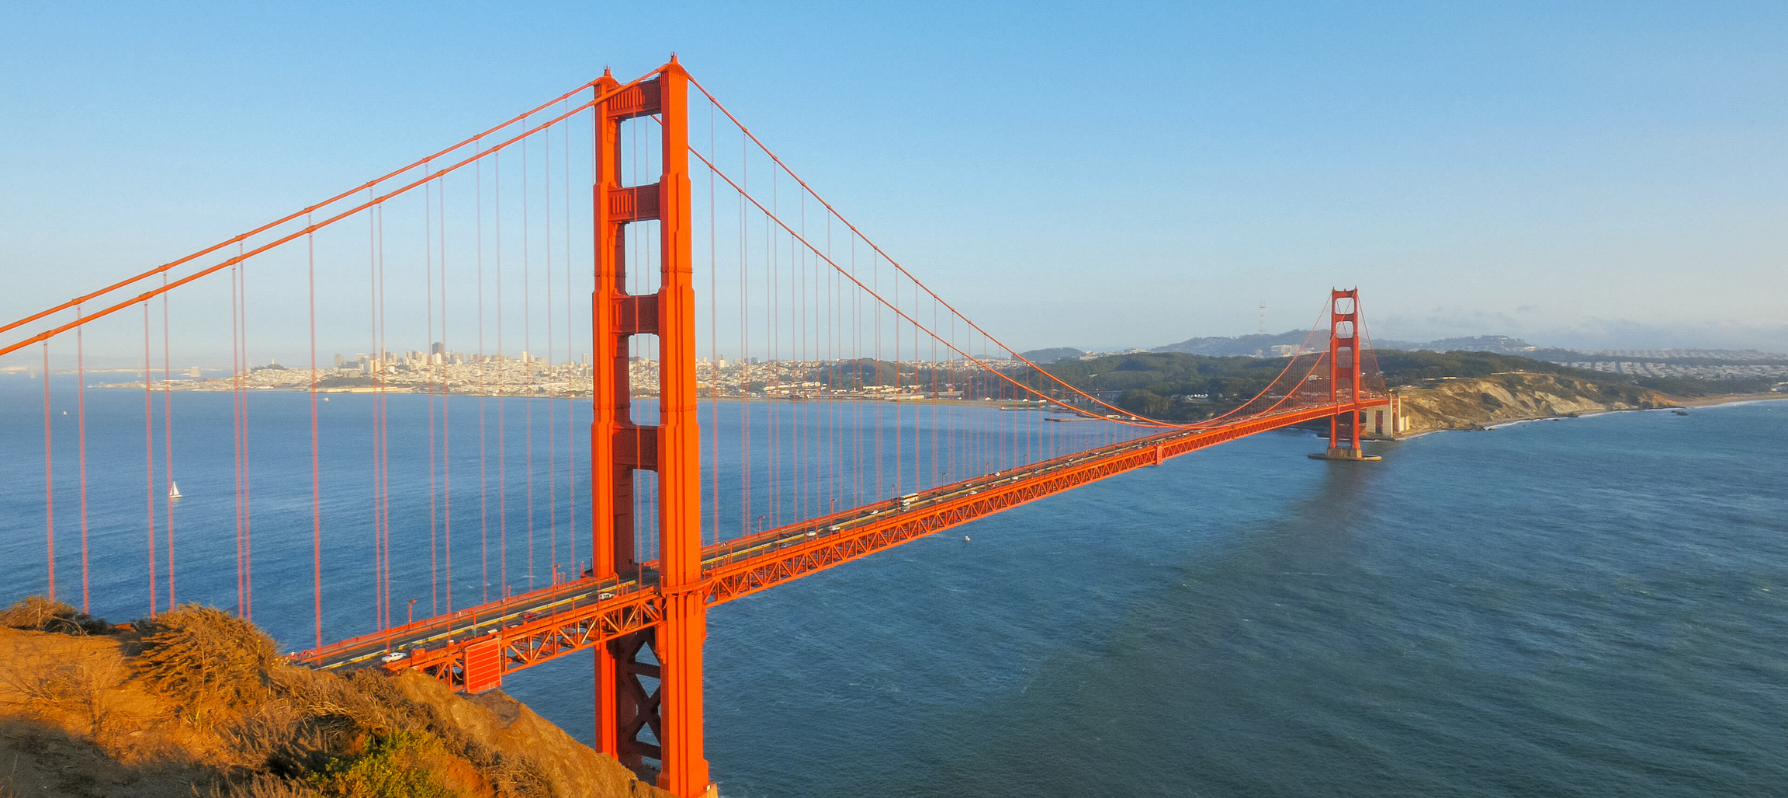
pixel 1582 607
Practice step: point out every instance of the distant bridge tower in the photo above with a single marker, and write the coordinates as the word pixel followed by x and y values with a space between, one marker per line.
pixel 625 705
pixel 1344 377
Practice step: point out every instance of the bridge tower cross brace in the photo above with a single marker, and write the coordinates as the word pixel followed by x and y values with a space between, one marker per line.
pixel 625 706
pixel 1344 371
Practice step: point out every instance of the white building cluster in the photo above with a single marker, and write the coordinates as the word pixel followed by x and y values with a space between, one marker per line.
pixel 450 372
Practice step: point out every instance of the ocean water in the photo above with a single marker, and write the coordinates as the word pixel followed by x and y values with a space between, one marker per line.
pixel 507 511
pixel 1596 606
pixel 1581 607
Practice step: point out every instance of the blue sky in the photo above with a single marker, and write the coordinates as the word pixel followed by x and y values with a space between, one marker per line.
pixel 1097 175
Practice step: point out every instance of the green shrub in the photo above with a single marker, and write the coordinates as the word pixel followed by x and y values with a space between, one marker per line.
pixel 398 765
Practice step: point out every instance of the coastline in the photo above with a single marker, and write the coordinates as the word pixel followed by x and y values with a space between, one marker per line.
pixel 1733 398
pixel 1722 400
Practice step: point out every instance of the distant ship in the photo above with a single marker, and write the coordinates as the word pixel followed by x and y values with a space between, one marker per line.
pixel 173 489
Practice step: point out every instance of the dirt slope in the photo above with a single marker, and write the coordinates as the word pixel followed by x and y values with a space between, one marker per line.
pixel 507 725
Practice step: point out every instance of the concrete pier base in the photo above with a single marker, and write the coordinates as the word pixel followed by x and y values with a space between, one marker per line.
pixel 1355 455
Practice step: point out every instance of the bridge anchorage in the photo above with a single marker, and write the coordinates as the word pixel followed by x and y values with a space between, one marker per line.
pixel 768 395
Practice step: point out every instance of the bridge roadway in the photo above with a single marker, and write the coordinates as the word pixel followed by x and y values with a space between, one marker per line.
pixel 472 648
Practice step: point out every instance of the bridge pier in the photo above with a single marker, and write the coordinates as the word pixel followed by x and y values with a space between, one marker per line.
pixel 1357 455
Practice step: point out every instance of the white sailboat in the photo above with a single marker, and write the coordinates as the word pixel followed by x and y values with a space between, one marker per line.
pixel 173 489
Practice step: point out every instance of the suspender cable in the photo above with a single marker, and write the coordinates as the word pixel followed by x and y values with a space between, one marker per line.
pixel 804 461
pixel 570 347
pixel 713 338
pixel 773 337
pixel 428 332
pixel 552 407
pixel 49 484
pixel 381 437
pixel 81 415
pixel 899 442
pixel 483 389
pixel 149 446
pixel 246 608
pixel 446 426
pixel 902 316
pixel 236 369
pixel 167 437
pixel 248 519
pixel 744 349
pixel 856 381
pixel 502 417
pixel 385 449
pixel 527 365
pixel 164 268
pixel 377 368
pixel 875 277
pixel 126 303
pixel 316 474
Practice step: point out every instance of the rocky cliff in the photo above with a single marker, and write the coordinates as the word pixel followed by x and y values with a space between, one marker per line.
pixel 1517 396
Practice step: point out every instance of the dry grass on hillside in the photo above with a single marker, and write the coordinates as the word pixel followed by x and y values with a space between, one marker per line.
pixel 40 614
pixel 205 659
pixel 199 705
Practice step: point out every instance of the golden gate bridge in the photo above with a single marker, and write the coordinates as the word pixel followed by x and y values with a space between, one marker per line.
pixel 768 394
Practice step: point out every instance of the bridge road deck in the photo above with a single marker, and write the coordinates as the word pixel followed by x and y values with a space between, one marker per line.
pixel 554 621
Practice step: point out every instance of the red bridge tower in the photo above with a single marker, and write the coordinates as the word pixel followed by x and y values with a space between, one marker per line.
pixel 1344 377
pixel 626 706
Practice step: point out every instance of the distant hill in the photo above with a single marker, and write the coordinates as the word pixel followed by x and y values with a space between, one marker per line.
pixel 1188 387
pixel 1262 345
pixel 1694 363
pixel 1243 346
pixel 1050 355
pixel 1495 344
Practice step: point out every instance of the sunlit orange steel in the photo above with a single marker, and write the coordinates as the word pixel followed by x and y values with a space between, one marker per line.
pixel 646 619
